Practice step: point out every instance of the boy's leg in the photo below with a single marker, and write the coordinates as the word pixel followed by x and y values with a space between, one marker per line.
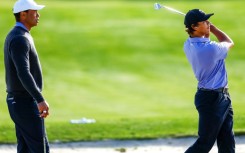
pixel 226 138
pixel 213 109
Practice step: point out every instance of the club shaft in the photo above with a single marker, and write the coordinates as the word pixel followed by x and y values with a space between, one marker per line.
pixel 173 10
pixel 158 6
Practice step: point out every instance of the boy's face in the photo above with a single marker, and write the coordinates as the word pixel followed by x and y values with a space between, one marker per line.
pixel 203 27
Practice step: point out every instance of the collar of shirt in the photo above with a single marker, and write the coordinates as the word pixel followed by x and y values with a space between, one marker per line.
pixel 19 24
pixel 199 40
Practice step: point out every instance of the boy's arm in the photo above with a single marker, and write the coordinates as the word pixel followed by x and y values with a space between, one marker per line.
pixel 221 36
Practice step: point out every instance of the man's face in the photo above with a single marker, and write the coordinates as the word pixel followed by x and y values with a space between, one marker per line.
pixel 30 18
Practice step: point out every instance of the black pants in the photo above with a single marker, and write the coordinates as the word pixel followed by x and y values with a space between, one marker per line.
pixel 28 124
pixel 215 123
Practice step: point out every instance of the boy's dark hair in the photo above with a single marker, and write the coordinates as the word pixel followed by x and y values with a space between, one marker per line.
pixel 17 15
pixel 189 29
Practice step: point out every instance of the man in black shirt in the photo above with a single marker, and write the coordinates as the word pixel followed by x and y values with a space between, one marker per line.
pixel 26 104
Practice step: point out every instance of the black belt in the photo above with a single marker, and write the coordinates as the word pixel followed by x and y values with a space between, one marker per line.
pixel 221 90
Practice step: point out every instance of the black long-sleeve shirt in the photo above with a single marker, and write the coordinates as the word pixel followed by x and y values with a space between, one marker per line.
pixel 22 67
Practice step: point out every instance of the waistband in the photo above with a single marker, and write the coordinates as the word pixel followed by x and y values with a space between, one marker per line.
pixel 19 94
pixel 221 90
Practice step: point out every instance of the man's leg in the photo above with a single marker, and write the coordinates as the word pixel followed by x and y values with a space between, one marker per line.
pixel 33 135
pixel 212 113
pixel 21 144
pixel 25 115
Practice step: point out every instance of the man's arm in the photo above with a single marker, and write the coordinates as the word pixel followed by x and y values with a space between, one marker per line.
pixel 20 56
pixel 221 36
pixel 19 51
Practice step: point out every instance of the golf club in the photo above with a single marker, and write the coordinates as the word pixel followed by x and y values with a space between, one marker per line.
pixel 157 6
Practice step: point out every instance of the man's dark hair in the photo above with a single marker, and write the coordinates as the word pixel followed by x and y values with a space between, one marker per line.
pixel 189 29
pixel 17 15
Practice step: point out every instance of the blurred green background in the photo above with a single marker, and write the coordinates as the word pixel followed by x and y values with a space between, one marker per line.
pixel 122 64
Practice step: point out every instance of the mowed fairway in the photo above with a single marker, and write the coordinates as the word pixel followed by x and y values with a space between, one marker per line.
pixel 122 64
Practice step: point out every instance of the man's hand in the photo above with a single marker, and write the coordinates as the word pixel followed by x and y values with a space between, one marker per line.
pixel 43 108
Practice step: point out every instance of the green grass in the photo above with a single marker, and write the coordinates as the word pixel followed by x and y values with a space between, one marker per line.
pixel 122 63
